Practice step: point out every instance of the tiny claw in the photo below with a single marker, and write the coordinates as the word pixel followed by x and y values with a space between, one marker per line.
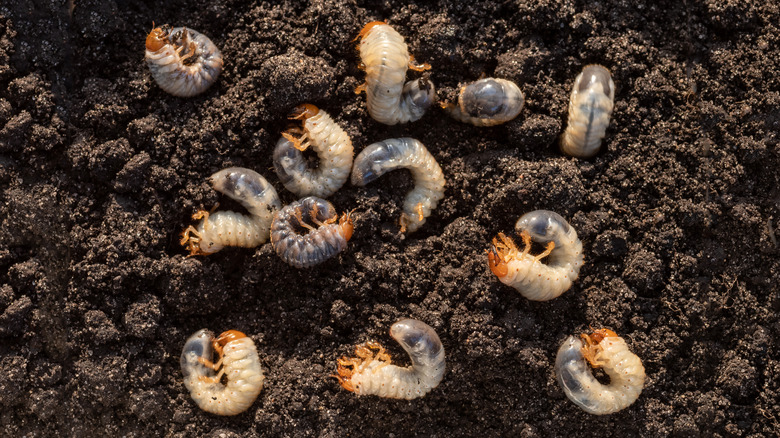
pixel 190 237
pixel 360 88
pixel 446 105
pixel 298 215
pixel 547 251
pixel 413 65
pixel 590 351
pixel 526 242
pixel 403 222
pixel 297 142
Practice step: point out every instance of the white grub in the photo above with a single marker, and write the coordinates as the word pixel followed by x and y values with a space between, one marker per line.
pixel 590 106
pixel 385 58
pixel 487 102
pixel 227 228
pixel 396 153
pixel 535 280
pixel 238 363
pixel 303 245
pixel 603 349
pixel 373 374
pixel 183 62
pixel 332 145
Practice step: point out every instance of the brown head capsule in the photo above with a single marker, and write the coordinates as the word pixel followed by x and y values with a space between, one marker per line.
pixel 156 39
pixel 303 112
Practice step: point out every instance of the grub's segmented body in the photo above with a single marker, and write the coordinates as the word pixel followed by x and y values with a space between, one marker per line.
pixel 525 272
pixel 329 141
pixel 372 373
pixel 487 102
pixel 183 62
pixel 385 57
pixel 227 228
pixel 603 349
pixel 238 362
pixel 301 244
pixel 395 153
pixel 590 106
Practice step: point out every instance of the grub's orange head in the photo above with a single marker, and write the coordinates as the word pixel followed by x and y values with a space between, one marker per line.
pixel 344 373
pixel 598 335
pixel 367 28
pixel 156 39
pixel 229 336
pixel 303 112
pixel 345 222
pixel 496 262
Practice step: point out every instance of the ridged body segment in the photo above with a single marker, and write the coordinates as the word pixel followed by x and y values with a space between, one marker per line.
pixel 395 153
pixel 228 228
pixel 487 102
pixel 590 107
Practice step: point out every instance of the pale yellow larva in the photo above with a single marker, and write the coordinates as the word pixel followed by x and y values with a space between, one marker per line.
pixel 487 102
pixel 228 228
pixel 372 373
pixel 183 62
pixel 590 107
pixel 238 362
pixel 385 58
pixel 535 280
pixel 396 153
pixel 331 143
pixel 603 349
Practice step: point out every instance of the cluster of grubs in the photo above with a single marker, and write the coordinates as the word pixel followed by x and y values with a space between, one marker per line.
pixel 307 232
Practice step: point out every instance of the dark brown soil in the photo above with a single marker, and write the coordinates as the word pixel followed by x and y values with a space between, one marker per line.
pixel 100 171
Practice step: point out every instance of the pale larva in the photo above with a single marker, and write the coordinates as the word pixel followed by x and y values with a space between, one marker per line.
pixel 525 272
pixel 302 245
pixel 227 228
pixel 385 59
pixel 238 362
pixel 373 374
pixel 395 153
pixel 590 106
pixel 487 102
pixel 603 349
pixel 329 141
pixel 183 62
